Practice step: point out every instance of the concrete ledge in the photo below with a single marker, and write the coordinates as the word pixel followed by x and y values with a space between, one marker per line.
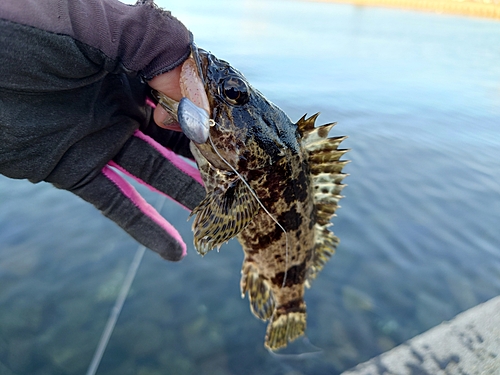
pixel 467 345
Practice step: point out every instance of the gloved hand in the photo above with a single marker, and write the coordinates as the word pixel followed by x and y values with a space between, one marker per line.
pixel 71 115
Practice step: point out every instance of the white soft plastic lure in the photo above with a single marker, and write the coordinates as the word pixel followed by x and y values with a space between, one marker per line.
pixel 194 121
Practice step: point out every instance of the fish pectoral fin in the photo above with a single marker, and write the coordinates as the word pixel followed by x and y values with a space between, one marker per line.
pixel 222 215
pixel 285 326
pixel 259 292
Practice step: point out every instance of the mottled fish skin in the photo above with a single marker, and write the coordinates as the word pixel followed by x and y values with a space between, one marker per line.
pixel 295 171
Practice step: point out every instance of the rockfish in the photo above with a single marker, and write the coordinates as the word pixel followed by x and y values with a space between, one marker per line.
pixel 271 183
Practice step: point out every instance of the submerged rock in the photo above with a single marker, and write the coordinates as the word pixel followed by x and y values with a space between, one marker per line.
pixel 355 299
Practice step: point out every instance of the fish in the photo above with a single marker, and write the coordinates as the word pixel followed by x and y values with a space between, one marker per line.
pixel 271 183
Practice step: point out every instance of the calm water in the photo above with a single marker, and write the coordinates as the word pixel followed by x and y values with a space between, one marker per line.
pixel 419 96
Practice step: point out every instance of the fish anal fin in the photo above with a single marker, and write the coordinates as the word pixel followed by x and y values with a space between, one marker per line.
pixel 223 214
pixel 325 244
pixel 285 326
pixel 259 292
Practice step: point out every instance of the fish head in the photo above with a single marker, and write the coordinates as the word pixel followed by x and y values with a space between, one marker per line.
pixel 247 130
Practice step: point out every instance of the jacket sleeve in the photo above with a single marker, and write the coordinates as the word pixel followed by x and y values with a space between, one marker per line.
pixel 142 37
pixel 72 88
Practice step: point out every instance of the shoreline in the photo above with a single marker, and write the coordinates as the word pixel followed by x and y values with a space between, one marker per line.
pixel 480 8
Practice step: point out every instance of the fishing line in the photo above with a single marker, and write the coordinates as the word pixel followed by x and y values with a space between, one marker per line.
pixel 120 300
pixel 212 123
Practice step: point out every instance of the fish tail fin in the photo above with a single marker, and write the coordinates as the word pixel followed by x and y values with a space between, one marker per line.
pixel 286 326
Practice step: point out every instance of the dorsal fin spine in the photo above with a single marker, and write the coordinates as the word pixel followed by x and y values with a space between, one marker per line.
pixel 326 167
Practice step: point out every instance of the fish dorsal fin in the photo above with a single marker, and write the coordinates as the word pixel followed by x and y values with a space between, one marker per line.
pixel 223 214
pixel 324 247
pixel 307 124
pixel 326 174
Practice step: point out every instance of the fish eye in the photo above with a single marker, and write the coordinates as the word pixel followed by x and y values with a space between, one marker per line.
pixel 235 91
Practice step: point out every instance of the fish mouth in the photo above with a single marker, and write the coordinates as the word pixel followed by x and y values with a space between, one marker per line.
pixel 171 105
pixel 201 64
pixel 205 68
pixel 194 80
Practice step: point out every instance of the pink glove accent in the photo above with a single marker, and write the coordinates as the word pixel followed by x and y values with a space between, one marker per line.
pixel 132 194
pixel 175 159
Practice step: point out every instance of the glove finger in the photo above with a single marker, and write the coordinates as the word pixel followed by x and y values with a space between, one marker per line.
pixel 161 169
pixel 120 202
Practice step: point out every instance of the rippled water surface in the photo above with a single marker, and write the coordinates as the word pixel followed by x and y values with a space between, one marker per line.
pixel 419 97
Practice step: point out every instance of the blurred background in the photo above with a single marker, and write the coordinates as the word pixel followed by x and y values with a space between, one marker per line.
pixel 417 93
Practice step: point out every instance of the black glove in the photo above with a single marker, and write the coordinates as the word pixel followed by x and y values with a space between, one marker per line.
pixel 69 114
